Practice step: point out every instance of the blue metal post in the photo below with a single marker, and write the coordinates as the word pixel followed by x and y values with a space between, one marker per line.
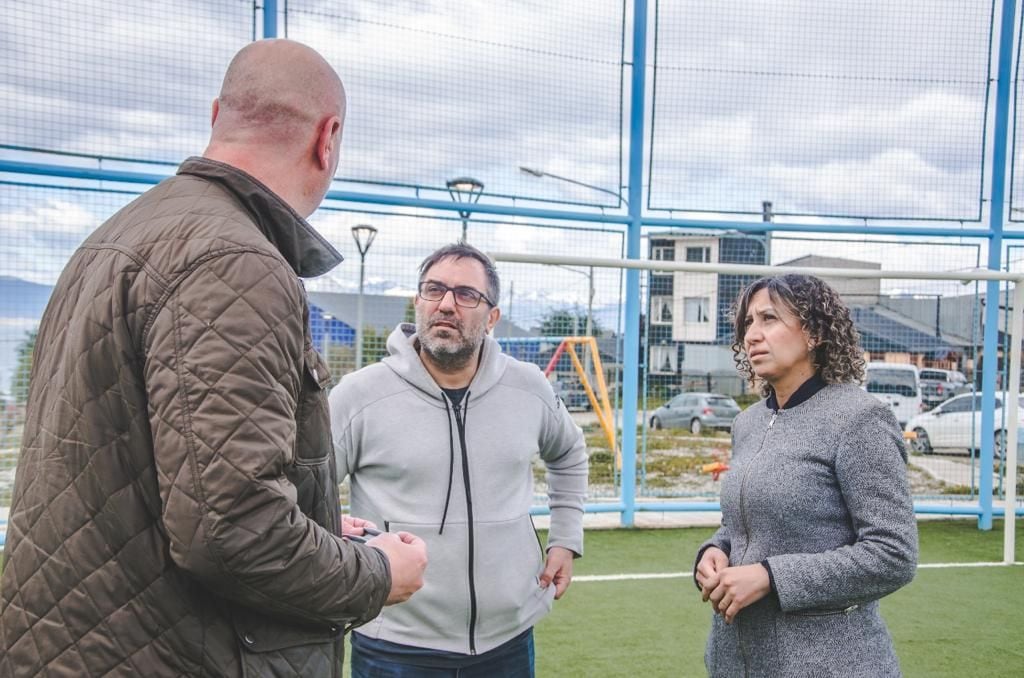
pixel 995 251
pixel 631 345
pixel 269 18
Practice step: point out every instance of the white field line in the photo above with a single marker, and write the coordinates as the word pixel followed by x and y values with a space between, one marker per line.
pixel 689 575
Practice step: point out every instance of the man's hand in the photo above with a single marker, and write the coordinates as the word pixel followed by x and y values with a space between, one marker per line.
pixel 557 569
pixel 352 526
pixel 739 587
pixel 711 564
pixel 407 557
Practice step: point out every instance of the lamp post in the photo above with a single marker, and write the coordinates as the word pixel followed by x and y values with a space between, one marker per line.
pixel 327 318
pixel 589 273
pixel 466 191
pixel 363 234
pixel 540 174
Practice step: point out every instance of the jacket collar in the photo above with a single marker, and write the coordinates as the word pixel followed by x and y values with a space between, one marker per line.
pixel 305 250
pixel 404 359
pixel 802 394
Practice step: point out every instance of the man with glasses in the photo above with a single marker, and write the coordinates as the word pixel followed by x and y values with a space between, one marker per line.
pixel 439 440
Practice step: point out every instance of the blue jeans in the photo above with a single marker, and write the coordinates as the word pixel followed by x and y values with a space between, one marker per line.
pixel 379 659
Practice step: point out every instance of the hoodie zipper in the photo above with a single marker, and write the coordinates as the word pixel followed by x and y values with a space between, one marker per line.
pixel 460 423
pixel 746 528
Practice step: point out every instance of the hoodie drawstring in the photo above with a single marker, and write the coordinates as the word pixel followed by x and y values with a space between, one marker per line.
pixel 461 423
pixel 451 462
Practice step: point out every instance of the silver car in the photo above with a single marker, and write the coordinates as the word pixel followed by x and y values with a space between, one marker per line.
pixel 696 411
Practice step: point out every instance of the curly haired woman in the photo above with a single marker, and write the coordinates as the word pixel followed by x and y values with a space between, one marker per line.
pixel 817 520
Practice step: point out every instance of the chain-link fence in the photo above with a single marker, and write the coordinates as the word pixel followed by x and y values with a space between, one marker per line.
pixel 815 113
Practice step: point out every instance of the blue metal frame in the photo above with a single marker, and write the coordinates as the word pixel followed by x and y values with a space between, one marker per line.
pixel 269 18
pixel 634 221
pixel 995 251
pixel 631 343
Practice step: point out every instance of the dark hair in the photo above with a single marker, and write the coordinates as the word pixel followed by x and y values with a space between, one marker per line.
pixel 463 250
pixel 837 356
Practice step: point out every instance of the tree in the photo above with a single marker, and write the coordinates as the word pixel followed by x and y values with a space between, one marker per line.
pixel 341 358
pixel 410 313
pixel 566 322
pixel 23 368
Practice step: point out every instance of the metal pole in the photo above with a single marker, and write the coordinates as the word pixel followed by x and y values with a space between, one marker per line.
pixel 359 313
pixel 327 342
pixel 631 340
pixel 1012 425
pixel 464 228
pixel 995 251
pixel 588 359
pixel 269 18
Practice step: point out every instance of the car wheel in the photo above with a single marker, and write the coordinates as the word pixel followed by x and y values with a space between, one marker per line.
pixel 655 423
pixel 696 426
pixel 920 443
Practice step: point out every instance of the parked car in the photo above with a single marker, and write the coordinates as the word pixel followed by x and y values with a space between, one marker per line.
pixel 938 386
pixel 572 394
pixel 956 423
pixel 898 385
pixel 696 411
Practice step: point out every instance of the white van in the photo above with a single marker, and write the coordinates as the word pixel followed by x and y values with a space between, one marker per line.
pixel 898 385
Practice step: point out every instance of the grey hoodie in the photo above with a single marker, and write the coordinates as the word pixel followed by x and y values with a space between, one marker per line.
pixel 465 489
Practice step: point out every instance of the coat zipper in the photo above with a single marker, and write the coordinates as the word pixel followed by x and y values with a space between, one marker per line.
pixel 461 425
pixel 746 527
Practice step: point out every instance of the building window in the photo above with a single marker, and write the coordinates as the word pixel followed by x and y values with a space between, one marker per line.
pixel 698 255
pixel 661 310
pixel 664 359
pixel 663 252
pixel 696 309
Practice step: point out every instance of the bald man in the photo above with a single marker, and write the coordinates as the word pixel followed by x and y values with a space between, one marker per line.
pixel 176 510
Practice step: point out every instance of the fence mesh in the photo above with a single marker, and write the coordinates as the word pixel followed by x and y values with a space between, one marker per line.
pixel 438 91
pixel 116 79
pixel 823 108
pixel 868 109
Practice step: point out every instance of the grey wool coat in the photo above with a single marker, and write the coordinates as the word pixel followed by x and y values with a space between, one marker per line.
pixel 820 491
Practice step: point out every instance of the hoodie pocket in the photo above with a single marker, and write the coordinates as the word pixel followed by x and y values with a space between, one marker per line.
pixel 509 565
pixel 441 609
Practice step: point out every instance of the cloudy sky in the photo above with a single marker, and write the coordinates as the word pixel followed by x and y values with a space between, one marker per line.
pixel 860 108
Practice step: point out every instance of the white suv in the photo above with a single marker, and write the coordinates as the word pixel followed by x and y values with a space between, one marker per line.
pixel 898 385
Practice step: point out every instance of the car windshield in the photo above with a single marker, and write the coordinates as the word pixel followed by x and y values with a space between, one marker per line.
pixel 935 376
pixel 896 382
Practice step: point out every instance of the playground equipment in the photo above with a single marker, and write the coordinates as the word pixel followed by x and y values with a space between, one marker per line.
pixel 599 401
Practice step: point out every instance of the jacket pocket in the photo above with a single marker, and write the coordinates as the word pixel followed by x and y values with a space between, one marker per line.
pixel 271 648
pixel 312 418
pixel 834 642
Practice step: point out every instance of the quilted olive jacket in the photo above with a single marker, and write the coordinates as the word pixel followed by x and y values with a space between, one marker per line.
pixel 175 511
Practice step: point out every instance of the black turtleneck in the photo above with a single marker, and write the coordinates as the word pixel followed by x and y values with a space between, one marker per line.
pixel 806 390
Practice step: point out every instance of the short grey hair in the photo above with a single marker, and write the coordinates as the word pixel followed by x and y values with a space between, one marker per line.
pixel 463 250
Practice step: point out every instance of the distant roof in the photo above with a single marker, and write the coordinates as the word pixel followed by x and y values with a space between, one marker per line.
pixel 681 234
pixel 819 261
pixel 879 333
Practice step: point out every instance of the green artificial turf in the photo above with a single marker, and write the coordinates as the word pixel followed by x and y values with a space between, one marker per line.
pixel 948 622
pixel 956 622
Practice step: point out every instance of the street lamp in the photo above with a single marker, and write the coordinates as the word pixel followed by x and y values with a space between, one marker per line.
pixel 540 174
pixel 363 234
pixel 467 191
pixel 327 317
pixel 589 273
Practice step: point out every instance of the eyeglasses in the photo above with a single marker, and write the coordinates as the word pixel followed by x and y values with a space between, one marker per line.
pixel 466 297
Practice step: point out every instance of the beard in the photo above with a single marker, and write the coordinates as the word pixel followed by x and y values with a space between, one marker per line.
pixel 450 348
